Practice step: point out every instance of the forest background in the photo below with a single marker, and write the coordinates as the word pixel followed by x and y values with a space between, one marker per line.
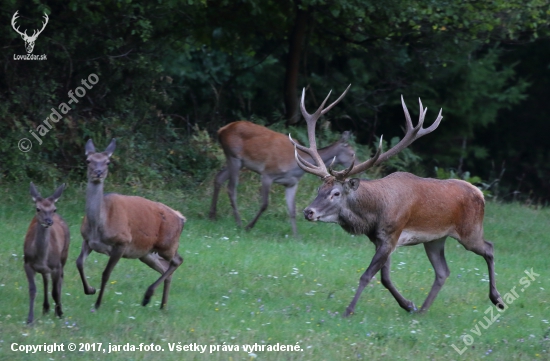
pixel 173 72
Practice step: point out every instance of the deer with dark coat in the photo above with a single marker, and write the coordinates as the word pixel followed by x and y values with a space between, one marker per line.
pixel 46 249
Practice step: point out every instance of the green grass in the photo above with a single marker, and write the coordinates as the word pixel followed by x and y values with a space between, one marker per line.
pixel 266 287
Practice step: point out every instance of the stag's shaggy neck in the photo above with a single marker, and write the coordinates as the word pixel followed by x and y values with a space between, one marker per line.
pixel 362 212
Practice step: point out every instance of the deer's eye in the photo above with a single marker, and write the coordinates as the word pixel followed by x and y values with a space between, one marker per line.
pixel 55 210
pixel 88 161
pixel 38 209
pixel 337 194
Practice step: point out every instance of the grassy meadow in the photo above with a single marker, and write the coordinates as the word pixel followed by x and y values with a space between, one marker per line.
pixel 266 287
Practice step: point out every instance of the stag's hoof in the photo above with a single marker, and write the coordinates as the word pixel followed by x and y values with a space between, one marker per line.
pixel 45 308
pixel 412 308
pixel 89 291
pixel 58 311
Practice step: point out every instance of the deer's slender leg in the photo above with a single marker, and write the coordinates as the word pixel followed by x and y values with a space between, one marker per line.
pixel 221 178
pixel 57 280
pixel 116 255
pixel 290 195
pixel 86 250
pixel 233 166
pixel 380 258
pixel 267 181
pixel 386 281
pixel 436 254
pixel 175 262
pixel 46 304
pixel 32 291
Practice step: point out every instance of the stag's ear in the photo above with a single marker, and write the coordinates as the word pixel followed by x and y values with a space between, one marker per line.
pixel 110 148
pixel 34 193
pixel 352 184
pixel 90 148
pixel 55 196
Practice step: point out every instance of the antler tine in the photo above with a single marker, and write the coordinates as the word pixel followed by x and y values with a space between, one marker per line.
pixel 335 102
pixel 308 167
pixel 362 166
pixel 412 133
pixel 13 20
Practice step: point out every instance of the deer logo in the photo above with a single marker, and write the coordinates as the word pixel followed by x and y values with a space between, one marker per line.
pixel 29 40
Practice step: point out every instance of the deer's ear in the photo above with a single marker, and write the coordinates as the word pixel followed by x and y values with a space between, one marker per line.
pixel 110 148
pixel 55 196
pixel 34 193
pixel 90 147
pixel 352 184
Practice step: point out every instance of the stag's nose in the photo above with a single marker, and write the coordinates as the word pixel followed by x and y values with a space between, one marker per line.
pixel 309 214
pixel 48 222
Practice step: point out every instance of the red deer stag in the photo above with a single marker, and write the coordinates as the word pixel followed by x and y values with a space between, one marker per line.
pixel 46 249
pixel 398 210
pixel 269 154
pixel 127 226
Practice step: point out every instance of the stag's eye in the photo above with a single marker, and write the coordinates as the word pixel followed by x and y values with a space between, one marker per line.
pixel 38 209
pixel 55 210
pixel 336 194
pixel 88 161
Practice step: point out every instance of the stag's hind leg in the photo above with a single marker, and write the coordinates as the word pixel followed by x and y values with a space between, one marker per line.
pixel 386 281
pixel 485 249
pixel 174 263
pixel 436 254
pixel 267 181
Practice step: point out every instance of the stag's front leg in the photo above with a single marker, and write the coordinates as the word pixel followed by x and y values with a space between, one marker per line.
pixel 386 281
pixel 380 258
pixel 86 250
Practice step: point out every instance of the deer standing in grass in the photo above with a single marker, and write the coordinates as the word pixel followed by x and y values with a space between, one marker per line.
pixel 127 227
pixel 46 249
pixel 269 154
pixel 398 210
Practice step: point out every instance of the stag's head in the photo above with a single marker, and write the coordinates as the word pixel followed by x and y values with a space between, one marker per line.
pixel 29 40
pixel 338 187
pixel 98 163
pixel 45 207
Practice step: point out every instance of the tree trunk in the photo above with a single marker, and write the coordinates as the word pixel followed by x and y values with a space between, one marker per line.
pixel 296 43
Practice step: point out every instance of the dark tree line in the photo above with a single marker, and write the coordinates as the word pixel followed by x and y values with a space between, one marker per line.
pixel 170 70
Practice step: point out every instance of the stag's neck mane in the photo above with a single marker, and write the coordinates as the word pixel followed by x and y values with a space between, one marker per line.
pixel 362 212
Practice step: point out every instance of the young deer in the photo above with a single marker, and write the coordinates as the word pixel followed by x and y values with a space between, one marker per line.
pixel 127 226
pixel 269 154
pixel 46 249
pixel 398 210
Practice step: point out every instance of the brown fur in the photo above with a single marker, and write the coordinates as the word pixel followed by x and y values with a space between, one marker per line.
pixel 270 154
pixel 127 226
pixel 45 251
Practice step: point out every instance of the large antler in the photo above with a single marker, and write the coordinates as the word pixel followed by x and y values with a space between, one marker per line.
pixel 411 134
pixel 311 119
